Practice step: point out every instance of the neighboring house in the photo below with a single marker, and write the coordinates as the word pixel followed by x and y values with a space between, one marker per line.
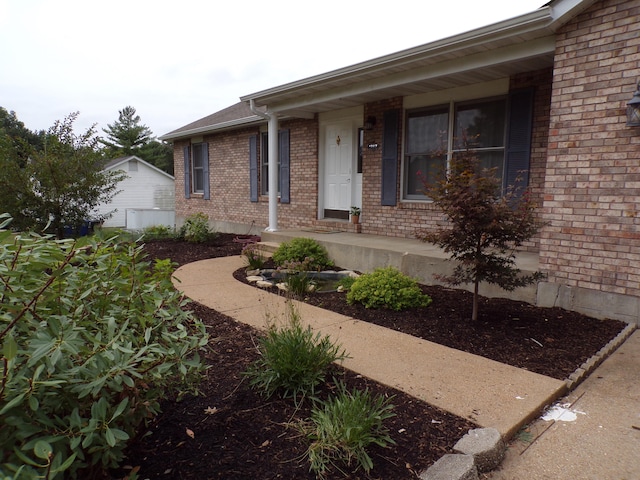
pixel 546 93
pixel 146 196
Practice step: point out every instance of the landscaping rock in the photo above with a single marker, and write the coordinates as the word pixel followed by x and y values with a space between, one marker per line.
pixel 452 467
pixel 485 445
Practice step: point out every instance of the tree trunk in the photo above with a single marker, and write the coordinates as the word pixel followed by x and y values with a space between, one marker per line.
pixel 474 313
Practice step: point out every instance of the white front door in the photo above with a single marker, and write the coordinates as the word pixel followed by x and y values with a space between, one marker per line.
pixel 339 154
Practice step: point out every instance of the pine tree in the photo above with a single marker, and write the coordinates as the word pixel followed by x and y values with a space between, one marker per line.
pixel 126 135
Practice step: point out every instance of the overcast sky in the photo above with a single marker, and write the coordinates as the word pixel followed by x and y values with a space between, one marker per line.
pixel 178 61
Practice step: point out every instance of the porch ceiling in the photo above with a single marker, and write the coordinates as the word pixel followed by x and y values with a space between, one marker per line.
pixel 523 44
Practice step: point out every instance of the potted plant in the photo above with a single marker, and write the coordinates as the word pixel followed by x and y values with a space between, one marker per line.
pixel 355 214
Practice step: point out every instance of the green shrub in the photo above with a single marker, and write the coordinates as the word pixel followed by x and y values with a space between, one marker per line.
pixel 302 254
pixel 293 361
pixel 343 426
pixel 92 339
pixel 253 256
pixel 345 284
pixel 196 229
pixel 387 288
pixel 156 232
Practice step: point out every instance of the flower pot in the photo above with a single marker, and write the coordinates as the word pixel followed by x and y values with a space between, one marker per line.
pixel 355 218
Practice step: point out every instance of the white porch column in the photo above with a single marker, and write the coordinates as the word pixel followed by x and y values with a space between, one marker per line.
pixel 273 172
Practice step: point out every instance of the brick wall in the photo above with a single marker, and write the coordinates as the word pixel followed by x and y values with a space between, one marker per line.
pixel 407 218
pixel 592 189
pixel 229 179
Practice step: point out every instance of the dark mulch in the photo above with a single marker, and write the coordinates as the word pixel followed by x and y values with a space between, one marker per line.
pixel 237 434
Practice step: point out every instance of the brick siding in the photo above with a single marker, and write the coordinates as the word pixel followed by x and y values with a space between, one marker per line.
pixel 592 187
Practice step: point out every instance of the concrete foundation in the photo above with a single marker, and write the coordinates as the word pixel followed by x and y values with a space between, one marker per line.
pixel 422 261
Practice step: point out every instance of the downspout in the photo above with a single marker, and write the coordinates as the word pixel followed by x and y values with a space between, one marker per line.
pixel 273 164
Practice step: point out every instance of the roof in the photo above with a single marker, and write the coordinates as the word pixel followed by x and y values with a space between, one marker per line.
pixel 231 117
pixel 116 162
pixel 520 44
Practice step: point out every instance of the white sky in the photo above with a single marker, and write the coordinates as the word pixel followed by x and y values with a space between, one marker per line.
pixel 178 61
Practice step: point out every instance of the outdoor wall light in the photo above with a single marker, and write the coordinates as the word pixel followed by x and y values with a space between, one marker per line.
pixel 371 122
pixel 633 109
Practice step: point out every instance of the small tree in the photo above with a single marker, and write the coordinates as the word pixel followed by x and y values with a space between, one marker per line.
pixel 484 227
pixel 60 184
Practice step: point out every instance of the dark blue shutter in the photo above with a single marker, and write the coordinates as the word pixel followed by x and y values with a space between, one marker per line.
pixel 390 158
pixel 186 152
pixel 518 151
pixel 283 152
pixel 205 172
pixel 253 168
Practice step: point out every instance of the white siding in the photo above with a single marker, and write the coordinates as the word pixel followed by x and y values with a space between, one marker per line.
pixel 144 188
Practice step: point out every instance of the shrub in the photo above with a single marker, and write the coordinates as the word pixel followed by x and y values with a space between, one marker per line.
pixel 196 229
pixel 343 426
pixel 387 288
pixel 293 361
pixel 253 256
pixel 158 232
pixel 345 284
pixel 302 254
pixel 92 338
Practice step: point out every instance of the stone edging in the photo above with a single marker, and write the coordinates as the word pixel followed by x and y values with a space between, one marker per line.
pixel 473 448
pixel 582 372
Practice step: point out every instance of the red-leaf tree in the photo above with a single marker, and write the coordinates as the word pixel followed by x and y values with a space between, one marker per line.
pixel 485 226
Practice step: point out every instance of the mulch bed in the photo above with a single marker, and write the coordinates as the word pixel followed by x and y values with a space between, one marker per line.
pixel 237 434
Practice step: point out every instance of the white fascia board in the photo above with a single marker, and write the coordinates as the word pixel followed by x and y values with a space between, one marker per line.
pixel 442 69
pixel 213 128
pixel 564 10
pixel 536 20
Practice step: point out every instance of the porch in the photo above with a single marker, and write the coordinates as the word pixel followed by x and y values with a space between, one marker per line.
pixel 364 252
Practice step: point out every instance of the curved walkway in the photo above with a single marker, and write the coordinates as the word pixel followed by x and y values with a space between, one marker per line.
pixel 489 393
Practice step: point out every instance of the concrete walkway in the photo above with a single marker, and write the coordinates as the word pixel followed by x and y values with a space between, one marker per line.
pixel 489 393
pixel 598 435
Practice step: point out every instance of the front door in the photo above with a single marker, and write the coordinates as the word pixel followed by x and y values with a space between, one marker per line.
pixel 339 154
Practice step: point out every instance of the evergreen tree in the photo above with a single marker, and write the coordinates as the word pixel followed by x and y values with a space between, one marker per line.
pixel 126 135
pixel 484 227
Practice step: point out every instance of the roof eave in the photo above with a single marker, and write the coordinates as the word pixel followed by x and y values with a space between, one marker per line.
pixel 232 124
pixel 540 19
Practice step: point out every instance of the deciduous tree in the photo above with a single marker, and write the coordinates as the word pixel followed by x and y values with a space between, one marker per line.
pixel 60 184
pixel 484 226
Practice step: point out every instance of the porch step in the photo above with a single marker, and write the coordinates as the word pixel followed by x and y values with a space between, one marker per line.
pixel 267 248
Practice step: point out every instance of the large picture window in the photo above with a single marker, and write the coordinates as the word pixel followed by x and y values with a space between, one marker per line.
pixel 435 135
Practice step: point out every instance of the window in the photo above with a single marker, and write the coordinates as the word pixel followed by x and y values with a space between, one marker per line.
pixel 196 170
pixel 259 167
pixel 264 165
pixel 198 167
pixel 436 134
